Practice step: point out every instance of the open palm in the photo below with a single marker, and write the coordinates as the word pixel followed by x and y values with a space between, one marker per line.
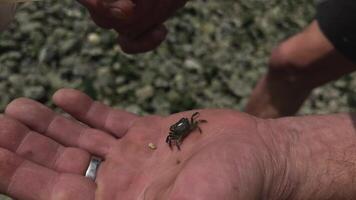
pixel 43 155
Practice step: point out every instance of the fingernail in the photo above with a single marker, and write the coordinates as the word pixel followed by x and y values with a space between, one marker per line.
pixel 118 13
pixel 121 9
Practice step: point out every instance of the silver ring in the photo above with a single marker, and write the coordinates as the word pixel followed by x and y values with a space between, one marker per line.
pixel 93 167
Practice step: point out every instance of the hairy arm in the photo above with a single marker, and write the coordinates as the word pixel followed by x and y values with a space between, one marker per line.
pixel 320 156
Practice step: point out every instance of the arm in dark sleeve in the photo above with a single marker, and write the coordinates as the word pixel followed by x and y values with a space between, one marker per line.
pixel 337 20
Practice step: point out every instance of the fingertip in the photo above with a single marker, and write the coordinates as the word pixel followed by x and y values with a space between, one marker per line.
pixel 28 112
pixel 72 100
pixel 68 94
pixel 62 94
pixel 15 105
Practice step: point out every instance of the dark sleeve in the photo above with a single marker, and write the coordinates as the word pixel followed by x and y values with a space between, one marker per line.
pixel 337 20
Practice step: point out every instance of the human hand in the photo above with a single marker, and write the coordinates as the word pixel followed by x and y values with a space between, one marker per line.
pixel 138 22
pixel 46 159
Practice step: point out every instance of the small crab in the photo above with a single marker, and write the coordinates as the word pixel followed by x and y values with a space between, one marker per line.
pixel 182 128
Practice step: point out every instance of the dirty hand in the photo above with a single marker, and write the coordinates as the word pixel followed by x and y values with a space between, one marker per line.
pixel 43 155
pixel 138 22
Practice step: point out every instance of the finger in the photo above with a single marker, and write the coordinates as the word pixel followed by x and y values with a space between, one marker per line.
pixel 22 179
pixel 101 20
pixel 95 114
pixel 108 14
pixel 42 150
pixel 97 12
pixel 67 132
pixel 119 9
pixel 146 42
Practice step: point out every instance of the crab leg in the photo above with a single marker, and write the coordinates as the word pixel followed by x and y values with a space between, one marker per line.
pixel 199 129
pixel 177 144
pixel 194 116
pixel 202 121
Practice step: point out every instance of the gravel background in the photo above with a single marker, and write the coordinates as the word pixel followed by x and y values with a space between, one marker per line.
pixel 213 57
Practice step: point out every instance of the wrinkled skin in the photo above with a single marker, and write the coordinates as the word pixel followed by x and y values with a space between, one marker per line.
pixel 138 22
pixel 43 155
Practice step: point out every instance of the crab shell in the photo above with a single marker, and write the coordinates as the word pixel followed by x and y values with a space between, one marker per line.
pixel 7 12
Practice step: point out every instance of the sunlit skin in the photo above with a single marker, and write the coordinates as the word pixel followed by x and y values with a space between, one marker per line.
pixel 43 155
pixel 55 153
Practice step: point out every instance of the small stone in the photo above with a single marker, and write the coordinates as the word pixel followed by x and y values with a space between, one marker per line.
pixel 94 38
pixel 152 146
pixel 145 92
